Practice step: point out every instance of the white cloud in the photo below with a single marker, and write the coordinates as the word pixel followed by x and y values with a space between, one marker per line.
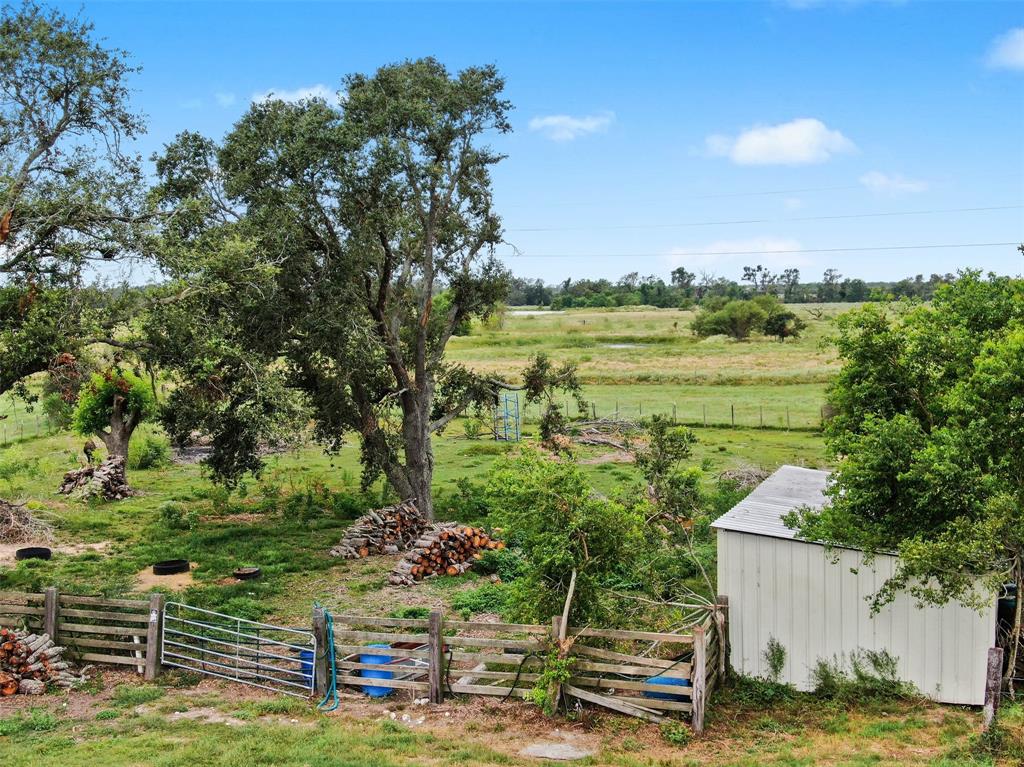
pixel 567 128
pixel 224 99
pixel 1007 51
pixel 726 256
pixel 892 183
pixel 318 91
pixel 804 141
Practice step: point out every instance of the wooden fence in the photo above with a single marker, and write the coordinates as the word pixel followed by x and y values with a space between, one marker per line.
pixel 434 657
pixel 123 632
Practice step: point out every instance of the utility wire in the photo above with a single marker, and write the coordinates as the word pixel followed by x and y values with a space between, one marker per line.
pixel 836 217
pixel 684 254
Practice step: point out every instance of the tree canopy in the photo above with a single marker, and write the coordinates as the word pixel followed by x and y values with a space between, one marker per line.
pixel 927 434
pixel 332 250
pixel 69 194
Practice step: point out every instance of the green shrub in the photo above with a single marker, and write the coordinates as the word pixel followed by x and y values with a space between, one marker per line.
pixel 60 413
pixel 872 676
pixel 757 692
pixel 507 564
pixel 488 598
pixel 737 319
pixel 150 452
pixel 551 514
pixel 176 516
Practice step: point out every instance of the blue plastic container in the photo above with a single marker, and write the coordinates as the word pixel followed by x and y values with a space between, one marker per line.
pixel 306 665
pixel 371 690
pixel 667 680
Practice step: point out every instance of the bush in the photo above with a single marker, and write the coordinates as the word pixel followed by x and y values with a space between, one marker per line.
pixel 489 598
pixel 176 517
pixel 872 676
pixel 61 414
pixel 737 319
pixel 550 513
pixel 507 564
pixel 151 452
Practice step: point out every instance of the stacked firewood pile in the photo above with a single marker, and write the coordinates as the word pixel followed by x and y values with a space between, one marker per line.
pixel 106 481
pixel 447 548
pixel 29 661
pixel 385 531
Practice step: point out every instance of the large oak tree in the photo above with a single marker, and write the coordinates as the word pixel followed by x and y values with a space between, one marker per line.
pixel 331 250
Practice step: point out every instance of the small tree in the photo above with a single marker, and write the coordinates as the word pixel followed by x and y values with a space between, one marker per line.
pixel 111 406
pixel 548 509
pixel 544 381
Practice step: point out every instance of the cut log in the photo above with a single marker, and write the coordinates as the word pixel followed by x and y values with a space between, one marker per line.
pixel 106 481
pixel 390 530
pixel 445 548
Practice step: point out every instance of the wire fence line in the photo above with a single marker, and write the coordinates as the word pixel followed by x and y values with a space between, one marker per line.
pixel 25 426
pixel 707 413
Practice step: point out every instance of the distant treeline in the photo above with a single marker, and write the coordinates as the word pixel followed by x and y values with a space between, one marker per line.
pixel 685 289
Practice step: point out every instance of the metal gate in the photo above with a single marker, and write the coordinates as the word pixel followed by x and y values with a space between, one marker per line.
pixel 258 654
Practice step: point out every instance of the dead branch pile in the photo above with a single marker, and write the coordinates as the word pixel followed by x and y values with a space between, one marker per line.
pixel 384 531
pixel 447 548
pixel 610 432
pixel 28 662
pixel 19 525
pixel 747 477
pixel 106 481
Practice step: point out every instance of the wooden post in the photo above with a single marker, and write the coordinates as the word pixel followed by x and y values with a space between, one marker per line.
pixel 322 649
pixel 698 678
pixel 722 619
pixel 993 686
pixel 50 608
pixel 732 409
pixel 558 632
pixel 761 412
pixel 705 414
pixel 156 617
pixel 435 651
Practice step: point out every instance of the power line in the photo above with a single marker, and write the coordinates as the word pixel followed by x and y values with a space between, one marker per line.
pixel 864 249
pixel 735 222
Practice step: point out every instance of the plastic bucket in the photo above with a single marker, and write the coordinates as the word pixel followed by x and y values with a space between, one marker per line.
pixel 667 680
pixel 371 690
pixel 306 665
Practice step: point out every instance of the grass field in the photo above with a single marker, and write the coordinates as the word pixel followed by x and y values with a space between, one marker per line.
pixel 287 520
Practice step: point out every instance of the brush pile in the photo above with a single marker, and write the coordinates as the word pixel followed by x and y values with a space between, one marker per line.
pixel 390 530
pixel 28 662
pixel 447 548
pixel 19 525
pixel 106 481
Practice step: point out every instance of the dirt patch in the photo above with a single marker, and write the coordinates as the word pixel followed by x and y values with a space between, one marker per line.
pixel 145 580
pixel 206 715
pixel 73 549
pixel 617 456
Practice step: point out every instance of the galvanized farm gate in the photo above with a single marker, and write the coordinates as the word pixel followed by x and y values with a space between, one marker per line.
pixel 276 658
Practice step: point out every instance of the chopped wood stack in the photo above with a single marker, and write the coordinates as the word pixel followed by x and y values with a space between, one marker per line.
pixel 447 548
pixel 29 661
pixel 385 531
pixel 105 481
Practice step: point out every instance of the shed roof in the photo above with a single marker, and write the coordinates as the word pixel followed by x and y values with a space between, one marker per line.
pixel 761 512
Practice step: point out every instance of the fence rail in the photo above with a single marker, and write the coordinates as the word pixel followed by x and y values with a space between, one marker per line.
pixel 93 629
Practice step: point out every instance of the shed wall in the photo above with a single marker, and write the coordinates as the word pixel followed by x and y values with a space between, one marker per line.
pixel 817 609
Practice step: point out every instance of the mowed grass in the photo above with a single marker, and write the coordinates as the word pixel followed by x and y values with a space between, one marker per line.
pixel 111 730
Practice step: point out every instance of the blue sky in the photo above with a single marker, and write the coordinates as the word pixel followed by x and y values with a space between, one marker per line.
pixel 652 135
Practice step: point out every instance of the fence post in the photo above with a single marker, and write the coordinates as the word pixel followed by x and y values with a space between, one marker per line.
pixel 760 409
pixel 50 608
pixel 156 617
pixel 698 674
pixel 705 414
pixel 787 418
pixel 993 685
pixel 320 659
pixel 732 409
pixel 722 619
pixel 435 651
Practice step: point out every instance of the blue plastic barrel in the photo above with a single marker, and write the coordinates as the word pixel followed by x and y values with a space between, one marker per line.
pixel 371 690
pixel 667 680
pixel 306 665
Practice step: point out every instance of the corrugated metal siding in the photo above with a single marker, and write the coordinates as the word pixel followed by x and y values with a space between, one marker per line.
pixel 814 602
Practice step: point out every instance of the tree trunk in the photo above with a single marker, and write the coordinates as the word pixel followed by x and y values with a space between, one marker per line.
pixel 419 452
pixel 1014 640
pixel 122 425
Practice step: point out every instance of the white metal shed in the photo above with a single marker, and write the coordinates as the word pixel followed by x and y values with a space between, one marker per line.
pixel 816 607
